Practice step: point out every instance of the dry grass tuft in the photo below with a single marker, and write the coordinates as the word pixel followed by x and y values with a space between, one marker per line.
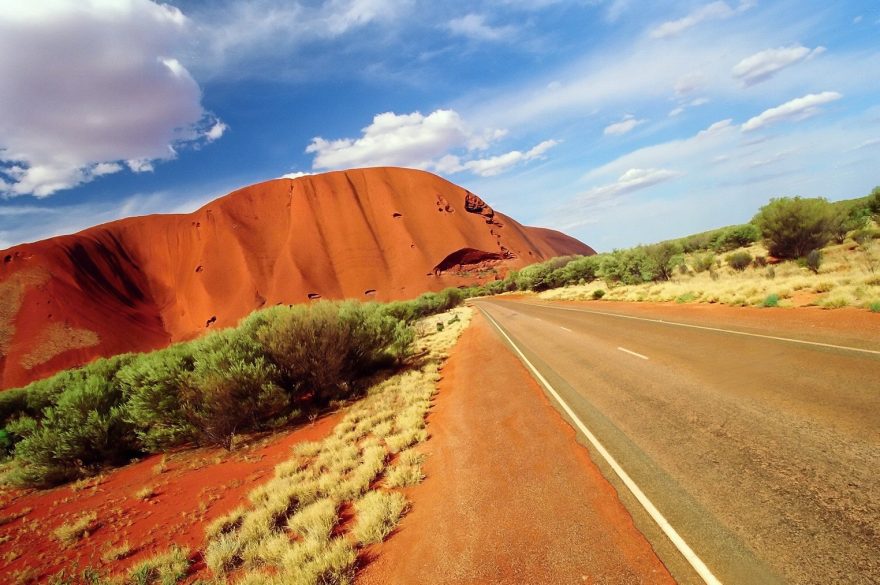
pixel 118 552
pixel 70 532
pixel 163 569
pixel 145 493
pixel 377 515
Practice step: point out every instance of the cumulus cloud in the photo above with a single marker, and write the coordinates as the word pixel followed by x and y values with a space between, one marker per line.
pixel 796 109
pixel 440 142
pixel 714 11
pixel 410 140
pixel 631 180
pixel 474 26
pixel 623 127
pixel 765 64
pixel 90 84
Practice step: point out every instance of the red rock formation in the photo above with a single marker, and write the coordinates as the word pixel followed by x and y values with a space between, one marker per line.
pixel 141 283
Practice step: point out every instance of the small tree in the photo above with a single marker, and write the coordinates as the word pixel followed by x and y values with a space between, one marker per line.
pixel 793 226
pixel 874 203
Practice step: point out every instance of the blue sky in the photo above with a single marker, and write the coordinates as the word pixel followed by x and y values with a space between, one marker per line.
pixel 619 122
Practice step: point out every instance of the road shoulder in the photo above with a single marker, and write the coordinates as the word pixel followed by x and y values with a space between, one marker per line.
pixel 510 496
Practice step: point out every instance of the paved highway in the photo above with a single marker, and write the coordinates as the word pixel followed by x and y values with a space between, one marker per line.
pixel 763 454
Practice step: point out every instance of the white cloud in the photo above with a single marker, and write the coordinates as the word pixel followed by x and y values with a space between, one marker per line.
pixel 765 64
pixel 120 96
pixel 216 131
pixel 492 166
pixel 439 142
pixel 410 140
pixel 474 26
pixel 631 180
pixel 296 175
pixel 716 127
pixel 796 109
pixel 714 11
pixel 623 127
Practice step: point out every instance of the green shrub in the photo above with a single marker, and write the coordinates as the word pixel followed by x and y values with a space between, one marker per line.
pixel 735 237
pixel 703 262
pixel 772 300
pixel 84 430
pixel 323 348
pixel 793 226
pixel 152 385
pixel 232 388
pixel 739 261
pixel 874 203
pixel 598 294
pixel 874 307
pixel 813 261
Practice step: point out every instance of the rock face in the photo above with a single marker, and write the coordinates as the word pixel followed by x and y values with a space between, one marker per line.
pixel 141 283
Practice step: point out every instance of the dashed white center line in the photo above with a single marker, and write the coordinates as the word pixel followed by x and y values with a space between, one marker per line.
pixel 638 355
pixel 565 328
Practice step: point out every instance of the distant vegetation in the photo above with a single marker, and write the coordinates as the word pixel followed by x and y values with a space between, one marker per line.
pixel 277 367
pixel 785 237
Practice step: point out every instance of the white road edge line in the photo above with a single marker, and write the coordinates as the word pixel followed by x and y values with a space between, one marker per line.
pixel 817 343
pixel 638 355
pixel 682 546
pixel 565 328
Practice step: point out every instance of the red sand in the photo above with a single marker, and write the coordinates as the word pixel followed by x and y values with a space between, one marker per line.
pixel 140 283
pixel 198 486
pixel 510 496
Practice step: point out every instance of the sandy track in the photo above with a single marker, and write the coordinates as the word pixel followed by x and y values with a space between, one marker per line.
pixel 510 496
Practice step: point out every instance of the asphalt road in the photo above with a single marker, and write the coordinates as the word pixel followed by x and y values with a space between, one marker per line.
pixel 763 454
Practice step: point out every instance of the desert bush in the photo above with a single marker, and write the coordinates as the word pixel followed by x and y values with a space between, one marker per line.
pixel 323 348
pixel 772 300
pixel 232 388
pixel 703 262
pixel 736 236
pixel 813 261
pixel 152 385
pixel 598 294
pixel 739 260
pixel 847 216
pixel 82 431
pixel 874 203
pixel 793 226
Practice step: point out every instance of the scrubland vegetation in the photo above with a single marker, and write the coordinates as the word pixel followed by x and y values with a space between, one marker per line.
pixel 795 249
pixel 332 498
pixel 293 530
pixel 278 367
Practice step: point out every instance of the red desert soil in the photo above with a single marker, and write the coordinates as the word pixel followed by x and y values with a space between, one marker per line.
pixel 510 496
pixel 197 486
pixel 380 233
